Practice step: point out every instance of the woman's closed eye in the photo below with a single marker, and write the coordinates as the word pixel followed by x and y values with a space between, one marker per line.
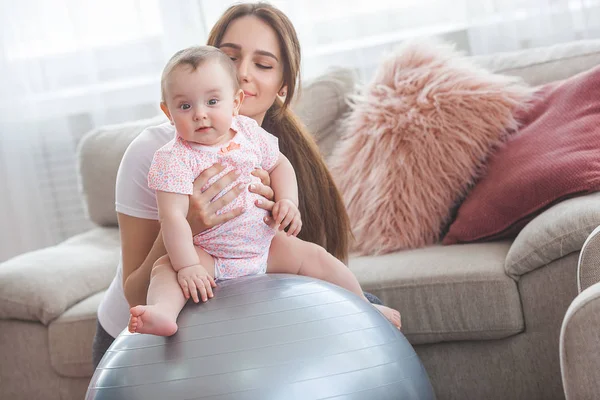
pixel 258 64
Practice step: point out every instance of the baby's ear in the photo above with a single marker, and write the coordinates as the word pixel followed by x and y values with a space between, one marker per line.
pixel 165 109
pixel 238 99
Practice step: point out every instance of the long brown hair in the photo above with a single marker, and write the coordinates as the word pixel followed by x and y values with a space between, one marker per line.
pixel 324 216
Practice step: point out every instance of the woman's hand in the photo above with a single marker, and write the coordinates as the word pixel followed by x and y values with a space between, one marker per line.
pixel 202 213
pixel 264 189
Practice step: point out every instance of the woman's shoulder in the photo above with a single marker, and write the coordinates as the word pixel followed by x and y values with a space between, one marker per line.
pixel 132 196
pixel 140 152
pixel 150 140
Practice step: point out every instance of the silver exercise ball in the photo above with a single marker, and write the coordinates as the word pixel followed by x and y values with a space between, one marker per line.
pixel 267 337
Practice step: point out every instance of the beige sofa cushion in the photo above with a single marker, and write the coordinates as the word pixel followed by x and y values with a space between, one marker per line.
pixel 449 293
pixel 555 233
pixel 99 154
pixel 545 64
pixel 70 338
pixel 321 104
pixel 41 285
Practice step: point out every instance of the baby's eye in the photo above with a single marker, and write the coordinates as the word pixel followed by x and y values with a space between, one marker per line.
pixel 213 102
pixel 185 106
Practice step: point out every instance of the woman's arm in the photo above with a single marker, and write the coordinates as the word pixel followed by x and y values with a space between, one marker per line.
pixel 141 246
pixel 176 232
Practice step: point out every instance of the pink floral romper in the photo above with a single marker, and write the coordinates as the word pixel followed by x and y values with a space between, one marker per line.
pixel 239 246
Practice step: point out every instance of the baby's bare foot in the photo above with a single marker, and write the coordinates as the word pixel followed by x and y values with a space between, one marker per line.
pixel 392 315
pixel 150 319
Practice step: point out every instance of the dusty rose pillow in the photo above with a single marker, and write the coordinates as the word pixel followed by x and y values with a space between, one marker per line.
pixel 554 156
pixel 416 140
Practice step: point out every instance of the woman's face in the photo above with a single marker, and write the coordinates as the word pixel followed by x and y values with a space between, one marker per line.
pixel 254 48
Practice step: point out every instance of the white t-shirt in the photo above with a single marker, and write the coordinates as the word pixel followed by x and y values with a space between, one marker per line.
pixel 134 198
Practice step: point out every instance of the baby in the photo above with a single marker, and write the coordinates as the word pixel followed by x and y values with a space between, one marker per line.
pixel 201 97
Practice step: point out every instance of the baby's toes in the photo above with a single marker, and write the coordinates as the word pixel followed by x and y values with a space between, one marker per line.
pixel 132 324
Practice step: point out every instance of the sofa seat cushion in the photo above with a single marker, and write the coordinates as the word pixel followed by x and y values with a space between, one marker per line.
pixel 450 293
pixel 41 285
pixel 70 338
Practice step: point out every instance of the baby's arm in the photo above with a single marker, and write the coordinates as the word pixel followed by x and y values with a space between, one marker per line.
pixel 283 180
pixel 285 188
pixel 176 231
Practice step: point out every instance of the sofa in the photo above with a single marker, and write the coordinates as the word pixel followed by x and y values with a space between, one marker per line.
pixel 579 335
pixel 485 318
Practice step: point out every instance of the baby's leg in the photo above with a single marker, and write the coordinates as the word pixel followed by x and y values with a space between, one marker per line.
pixel 165 298
pixel 290 255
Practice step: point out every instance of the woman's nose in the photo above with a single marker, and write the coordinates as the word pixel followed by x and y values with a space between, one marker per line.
pixel 244 70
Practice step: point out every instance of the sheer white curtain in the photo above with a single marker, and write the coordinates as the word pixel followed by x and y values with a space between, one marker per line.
pixel 67 66
pixel 357 33
pixel 505 25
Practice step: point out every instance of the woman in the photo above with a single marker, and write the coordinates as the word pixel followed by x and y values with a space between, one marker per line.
pixel 263 44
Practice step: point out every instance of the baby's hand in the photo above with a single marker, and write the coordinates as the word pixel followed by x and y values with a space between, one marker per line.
pixel 194 279
pixel 287 215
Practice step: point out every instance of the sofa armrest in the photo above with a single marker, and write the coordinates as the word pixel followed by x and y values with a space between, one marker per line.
pixel 41 285
pixel 580 346
pixel 557 232
pixel 588 268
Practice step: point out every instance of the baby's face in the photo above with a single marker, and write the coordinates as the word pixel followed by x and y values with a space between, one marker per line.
pixel 202 103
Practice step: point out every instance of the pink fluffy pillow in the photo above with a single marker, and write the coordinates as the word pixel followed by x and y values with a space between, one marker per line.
pixel 416 140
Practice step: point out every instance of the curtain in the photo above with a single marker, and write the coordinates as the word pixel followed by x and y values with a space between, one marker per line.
pixel 68 66
pixel 505 25
pixel 358 33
